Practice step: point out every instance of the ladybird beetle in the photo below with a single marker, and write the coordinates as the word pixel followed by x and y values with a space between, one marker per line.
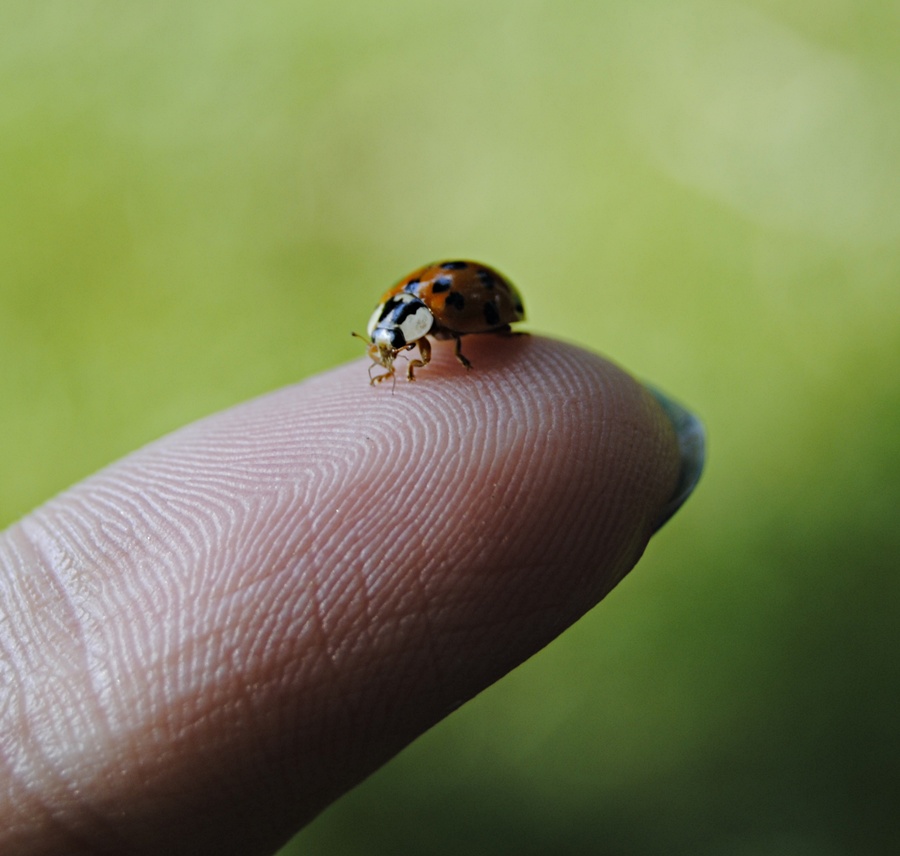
pixel 445 300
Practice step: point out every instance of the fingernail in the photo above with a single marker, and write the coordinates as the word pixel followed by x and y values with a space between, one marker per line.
pixel 691 444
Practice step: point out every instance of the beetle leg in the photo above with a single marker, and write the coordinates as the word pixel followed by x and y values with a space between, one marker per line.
pixel 424 353
pixel 459 354
pixel 379 362
pixel 381 377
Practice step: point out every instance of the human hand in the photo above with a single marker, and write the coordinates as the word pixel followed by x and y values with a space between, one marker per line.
pixel 209 641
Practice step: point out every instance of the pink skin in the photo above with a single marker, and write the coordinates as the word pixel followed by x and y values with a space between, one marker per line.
pixel 209 641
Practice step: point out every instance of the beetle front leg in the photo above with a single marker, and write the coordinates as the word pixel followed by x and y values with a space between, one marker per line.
pixel 424 354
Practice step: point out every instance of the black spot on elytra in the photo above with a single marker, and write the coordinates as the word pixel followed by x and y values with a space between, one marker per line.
pixel 441 284
pixel 456 300
pixel 412 286
pixel 491 316
pixel 454 265
pixel 485 277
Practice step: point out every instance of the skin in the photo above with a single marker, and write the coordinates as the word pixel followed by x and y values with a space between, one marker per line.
pixel 209 641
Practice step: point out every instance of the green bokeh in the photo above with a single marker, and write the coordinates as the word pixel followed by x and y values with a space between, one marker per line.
pixel 198 202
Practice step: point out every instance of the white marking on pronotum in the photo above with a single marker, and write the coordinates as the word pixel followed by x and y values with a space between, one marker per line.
pixel 403 312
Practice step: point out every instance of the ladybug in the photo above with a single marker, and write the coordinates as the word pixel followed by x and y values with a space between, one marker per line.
pixel 445 300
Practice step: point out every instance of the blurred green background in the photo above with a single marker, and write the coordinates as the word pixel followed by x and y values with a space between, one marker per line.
pixel 199 200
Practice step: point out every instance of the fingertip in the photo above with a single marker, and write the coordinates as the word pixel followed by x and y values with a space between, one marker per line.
pixel 519 379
